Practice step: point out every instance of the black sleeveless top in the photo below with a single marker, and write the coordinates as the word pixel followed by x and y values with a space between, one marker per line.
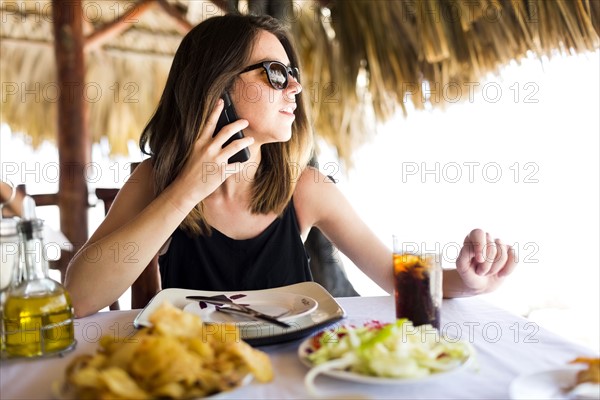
pixel 276 257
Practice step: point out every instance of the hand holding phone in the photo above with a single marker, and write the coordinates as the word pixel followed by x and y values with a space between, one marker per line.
pixel 228 115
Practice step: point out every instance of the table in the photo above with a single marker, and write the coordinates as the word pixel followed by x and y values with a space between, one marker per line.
pixel 507 346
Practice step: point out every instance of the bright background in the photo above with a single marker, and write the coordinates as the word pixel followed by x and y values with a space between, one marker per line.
pixel 536 186
pixel 520 160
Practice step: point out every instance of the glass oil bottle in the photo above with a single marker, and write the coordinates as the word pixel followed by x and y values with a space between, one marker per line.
pixel 38 315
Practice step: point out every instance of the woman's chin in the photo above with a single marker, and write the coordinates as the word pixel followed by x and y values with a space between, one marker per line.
pixel 282 137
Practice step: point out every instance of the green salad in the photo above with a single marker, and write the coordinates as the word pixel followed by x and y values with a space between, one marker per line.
pixel 396 350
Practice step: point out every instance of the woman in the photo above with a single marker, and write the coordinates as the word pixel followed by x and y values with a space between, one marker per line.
pixel 238 226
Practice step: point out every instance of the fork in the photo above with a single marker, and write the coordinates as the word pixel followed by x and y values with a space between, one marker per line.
pixel 236 308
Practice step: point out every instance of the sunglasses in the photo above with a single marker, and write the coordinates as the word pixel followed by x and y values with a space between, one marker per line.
pixel 277 73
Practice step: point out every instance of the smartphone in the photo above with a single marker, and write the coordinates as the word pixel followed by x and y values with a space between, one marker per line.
pixel 228 115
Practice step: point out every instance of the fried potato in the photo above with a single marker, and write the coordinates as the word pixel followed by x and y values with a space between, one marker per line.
pixel 178 357
pixel 592 373
pixel 258 362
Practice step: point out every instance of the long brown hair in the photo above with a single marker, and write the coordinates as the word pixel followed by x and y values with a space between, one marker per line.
pixel 206 63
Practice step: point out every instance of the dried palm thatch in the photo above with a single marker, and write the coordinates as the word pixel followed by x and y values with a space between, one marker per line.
pixel 124 77
pixel 382 55
pixel 363 60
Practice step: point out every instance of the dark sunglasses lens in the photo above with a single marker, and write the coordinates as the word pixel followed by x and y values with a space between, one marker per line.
pixel 296 74
pixel 278 76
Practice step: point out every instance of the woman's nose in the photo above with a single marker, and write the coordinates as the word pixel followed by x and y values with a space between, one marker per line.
pixel 294 87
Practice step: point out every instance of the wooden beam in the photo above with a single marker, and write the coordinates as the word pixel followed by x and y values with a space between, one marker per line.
pixel 74 145
pixel 258 7
pixel 45 199
pixel 181 22
pixel 117 52
pixel 222 4
pixel 279 8
pixel 114 28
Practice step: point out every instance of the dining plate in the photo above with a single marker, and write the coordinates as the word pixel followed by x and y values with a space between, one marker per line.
pixel 306 348
pixel 326 312
pixel 551 384
pixel 283 306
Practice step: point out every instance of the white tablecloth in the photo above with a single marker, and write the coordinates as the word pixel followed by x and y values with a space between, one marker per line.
pixel 506 345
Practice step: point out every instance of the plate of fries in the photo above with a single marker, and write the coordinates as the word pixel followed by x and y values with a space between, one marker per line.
pixel 317 311
pixel 179 357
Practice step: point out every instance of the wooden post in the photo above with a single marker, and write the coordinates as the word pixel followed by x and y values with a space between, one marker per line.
pixel 74 148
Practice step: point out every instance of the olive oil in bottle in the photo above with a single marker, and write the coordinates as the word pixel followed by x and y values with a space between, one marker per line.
pixel 9 263
pixel 38 315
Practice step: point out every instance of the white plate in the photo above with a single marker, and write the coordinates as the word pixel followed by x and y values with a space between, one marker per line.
pixel 283 306
pixel 549 384
pixel 306 348
pixel 326 313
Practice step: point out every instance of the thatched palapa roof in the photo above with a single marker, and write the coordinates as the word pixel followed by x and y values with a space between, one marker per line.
pixel 363 60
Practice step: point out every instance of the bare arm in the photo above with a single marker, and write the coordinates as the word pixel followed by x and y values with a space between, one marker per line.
pixel 139 223
pixel 119 250
pixel 319 203
pixel 481 267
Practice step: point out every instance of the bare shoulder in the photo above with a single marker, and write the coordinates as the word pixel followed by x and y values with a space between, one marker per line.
pixel 143 168
pixel 312 183
pixel 314 195
pixel 312 178
pixel 139 188
pixel 140 183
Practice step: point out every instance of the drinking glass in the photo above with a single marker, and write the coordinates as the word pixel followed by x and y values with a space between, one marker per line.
pixel 417 284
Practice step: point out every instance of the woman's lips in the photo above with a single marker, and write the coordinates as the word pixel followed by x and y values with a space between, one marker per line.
pixel 288 110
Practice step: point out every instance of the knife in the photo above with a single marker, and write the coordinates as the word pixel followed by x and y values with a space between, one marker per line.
pixel 213 300
pixel 248 312
pixel 239 309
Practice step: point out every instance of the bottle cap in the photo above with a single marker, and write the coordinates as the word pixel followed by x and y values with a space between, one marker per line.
pixel 29 208
pixel 30 222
